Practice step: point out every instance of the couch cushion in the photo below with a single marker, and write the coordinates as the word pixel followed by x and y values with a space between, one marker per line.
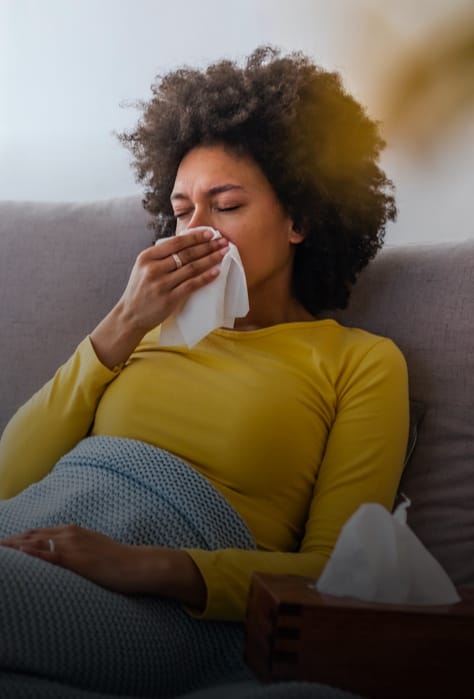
pixel 423 298
pixel 62 267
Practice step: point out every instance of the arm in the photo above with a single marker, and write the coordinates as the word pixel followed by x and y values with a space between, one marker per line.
pixel 363 462
pixel 145 570
pixel 52 421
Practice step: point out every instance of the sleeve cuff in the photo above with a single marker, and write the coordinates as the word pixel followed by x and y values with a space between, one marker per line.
pixel 92 357
pixel 225 599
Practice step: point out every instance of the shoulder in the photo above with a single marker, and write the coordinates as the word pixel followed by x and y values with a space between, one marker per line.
pixel 349 354
pixel 342 341
pixel 368 363
pixel 367 345
pixel 341 353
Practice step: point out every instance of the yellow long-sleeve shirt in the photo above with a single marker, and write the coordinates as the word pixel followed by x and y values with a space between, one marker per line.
pixel 296 425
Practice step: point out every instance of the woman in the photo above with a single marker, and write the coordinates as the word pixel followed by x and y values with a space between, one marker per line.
pixel 293 418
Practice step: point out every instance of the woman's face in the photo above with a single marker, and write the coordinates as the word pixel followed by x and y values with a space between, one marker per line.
pixel 215 187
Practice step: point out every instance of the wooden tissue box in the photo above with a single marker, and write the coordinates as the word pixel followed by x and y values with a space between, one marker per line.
pixel 381 651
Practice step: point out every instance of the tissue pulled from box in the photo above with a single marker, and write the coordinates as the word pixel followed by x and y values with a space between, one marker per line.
pixel 377 558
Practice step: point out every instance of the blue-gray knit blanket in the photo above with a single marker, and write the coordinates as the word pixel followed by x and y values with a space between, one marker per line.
pixel 58 625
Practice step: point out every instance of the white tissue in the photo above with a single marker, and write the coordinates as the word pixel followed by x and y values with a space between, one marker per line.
pixel 377 558
pixel 218 303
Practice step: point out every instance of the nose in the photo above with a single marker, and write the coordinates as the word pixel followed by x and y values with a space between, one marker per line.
pixel 199 222
pixel 200 217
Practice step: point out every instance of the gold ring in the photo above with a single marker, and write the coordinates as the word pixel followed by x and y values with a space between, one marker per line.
pixel 177 260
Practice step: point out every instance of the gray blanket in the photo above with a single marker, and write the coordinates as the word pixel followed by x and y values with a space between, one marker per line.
pixel 56 625
pixel 23 687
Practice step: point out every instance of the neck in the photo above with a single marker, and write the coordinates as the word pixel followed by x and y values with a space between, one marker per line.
pixel 266 312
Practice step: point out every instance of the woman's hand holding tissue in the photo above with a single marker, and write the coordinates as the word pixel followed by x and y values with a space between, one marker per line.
pixel 156 287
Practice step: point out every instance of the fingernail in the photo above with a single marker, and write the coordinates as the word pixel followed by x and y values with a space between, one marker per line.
pixel 207 235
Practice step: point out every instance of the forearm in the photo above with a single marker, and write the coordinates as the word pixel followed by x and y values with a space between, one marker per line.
pixel 124 568
pixel 170 573
pixel 115 337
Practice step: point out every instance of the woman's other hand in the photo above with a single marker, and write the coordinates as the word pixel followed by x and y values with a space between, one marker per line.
pixel 162 278
pixel 124 568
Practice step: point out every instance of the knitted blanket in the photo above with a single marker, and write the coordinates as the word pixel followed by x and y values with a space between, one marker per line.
pixel 23 687
pixel 57 625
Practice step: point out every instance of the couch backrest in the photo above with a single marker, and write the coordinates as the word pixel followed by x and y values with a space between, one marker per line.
pixel 63 266
pixel 423 298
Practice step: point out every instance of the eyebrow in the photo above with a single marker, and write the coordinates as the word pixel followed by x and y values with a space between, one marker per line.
pixel 212 192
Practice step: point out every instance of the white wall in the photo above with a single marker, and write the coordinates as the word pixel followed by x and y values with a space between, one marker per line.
pixel 67 65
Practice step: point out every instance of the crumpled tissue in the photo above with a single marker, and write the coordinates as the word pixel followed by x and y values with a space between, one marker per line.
pixel 377 558
pixel 217 304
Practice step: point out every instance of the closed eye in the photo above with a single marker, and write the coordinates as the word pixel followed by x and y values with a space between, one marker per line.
pixel 221 209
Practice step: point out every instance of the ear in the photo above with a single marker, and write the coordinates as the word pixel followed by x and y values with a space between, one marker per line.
pixel 295 236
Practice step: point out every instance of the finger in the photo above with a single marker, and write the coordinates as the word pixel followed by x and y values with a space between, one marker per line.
pixel 16 541
pixel 196 252
pixel 199 252
pixel 177 243
pixel 9 544
pixel 40 547
pixel 47 555
pixel 194 269
pixel 190 255
pixel 180 292
pixel 34 542
pixel 30 534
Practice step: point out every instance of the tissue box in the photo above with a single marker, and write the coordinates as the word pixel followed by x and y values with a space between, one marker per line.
pixel 376 650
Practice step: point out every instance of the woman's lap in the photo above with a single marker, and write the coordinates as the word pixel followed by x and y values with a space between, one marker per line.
pixel 60 626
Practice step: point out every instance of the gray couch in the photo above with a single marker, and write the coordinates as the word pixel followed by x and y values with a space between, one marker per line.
pixel 62 266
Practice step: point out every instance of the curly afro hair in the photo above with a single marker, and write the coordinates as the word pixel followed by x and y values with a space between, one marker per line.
pixel 316 145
